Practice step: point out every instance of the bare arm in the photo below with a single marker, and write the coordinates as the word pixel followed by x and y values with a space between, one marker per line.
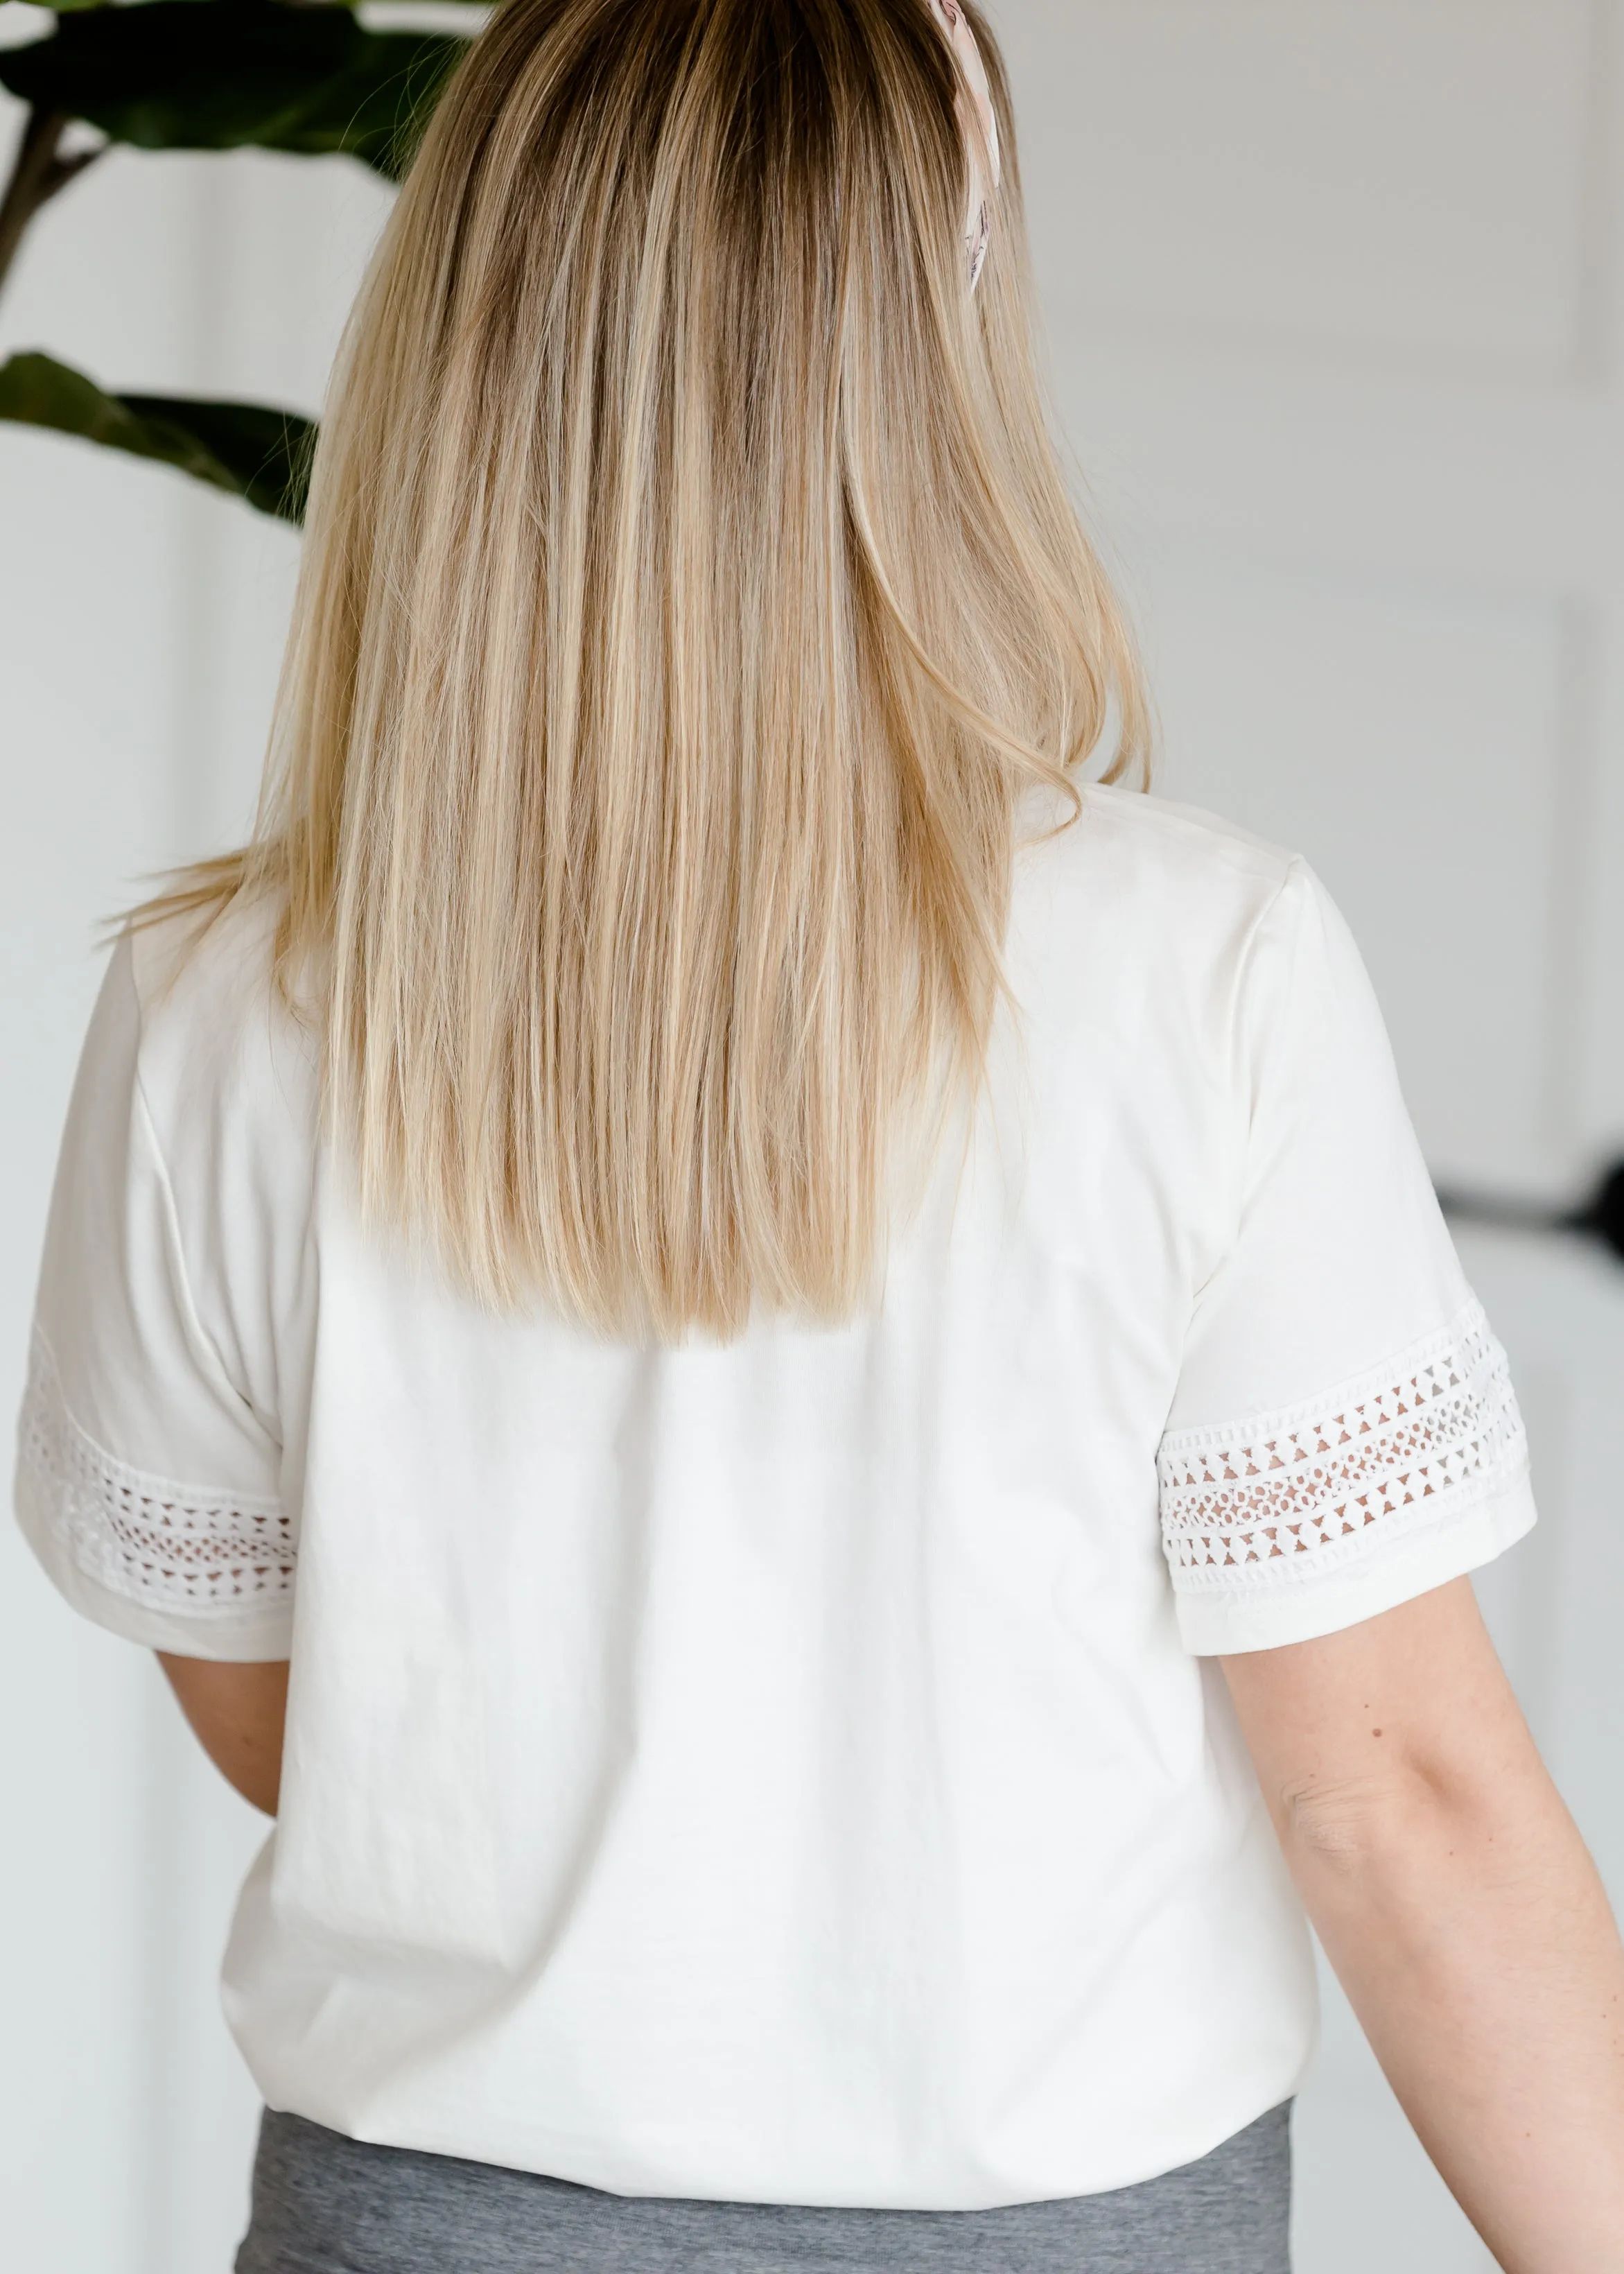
pixel 1459 1906
pixel 236 1714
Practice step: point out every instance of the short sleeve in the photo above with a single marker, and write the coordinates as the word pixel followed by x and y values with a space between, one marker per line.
pixel 1344 1433
pixel 146 1482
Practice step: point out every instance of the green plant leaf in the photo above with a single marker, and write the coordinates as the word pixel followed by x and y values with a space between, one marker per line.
pixel 250 449
pixel 171 75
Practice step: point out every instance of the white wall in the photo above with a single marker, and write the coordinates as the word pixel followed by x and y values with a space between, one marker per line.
pixel 1334 295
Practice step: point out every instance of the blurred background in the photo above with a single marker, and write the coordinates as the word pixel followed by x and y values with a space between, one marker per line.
pixel 1334 299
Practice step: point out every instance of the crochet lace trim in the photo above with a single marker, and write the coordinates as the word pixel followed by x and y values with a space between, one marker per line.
pixel 170 1546
pixel 1290 1495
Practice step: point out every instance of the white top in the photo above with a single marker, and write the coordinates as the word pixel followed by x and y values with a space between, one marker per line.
pixel 787 1771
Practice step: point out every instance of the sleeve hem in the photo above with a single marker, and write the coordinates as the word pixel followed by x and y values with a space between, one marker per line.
pixel 232 1637
pixel 1213 1625
pixel 202 1573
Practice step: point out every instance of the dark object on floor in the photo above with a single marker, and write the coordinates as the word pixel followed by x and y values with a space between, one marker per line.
pixel 1601 1218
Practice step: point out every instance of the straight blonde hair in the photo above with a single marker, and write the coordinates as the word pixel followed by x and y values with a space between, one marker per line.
pixel 690 591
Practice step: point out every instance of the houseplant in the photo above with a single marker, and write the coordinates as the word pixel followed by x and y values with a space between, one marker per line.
pixel 307 77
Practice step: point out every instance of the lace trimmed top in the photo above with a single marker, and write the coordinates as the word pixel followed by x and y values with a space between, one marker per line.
pixel 786 1772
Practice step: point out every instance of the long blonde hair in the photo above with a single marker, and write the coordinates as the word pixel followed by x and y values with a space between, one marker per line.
pixel 690 591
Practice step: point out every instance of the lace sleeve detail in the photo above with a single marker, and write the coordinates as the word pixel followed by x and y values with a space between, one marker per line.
pixel 167 1548
pixel 1294 1495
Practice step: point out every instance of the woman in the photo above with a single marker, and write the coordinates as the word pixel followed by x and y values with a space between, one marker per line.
pixel 740 1331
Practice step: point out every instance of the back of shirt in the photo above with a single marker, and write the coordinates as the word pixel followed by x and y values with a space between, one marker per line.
pixel 790 1771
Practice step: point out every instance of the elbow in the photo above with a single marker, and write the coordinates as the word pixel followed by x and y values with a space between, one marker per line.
pixel 1337 1826
pixel 1355 1827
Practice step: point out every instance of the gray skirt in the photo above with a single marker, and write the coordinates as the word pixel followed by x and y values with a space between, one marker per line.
pixel 323 2204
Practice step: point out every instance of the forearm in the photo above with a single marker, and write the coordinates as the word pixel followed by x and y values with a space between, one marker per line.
pixel 1475 1941
pixel 236 1714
